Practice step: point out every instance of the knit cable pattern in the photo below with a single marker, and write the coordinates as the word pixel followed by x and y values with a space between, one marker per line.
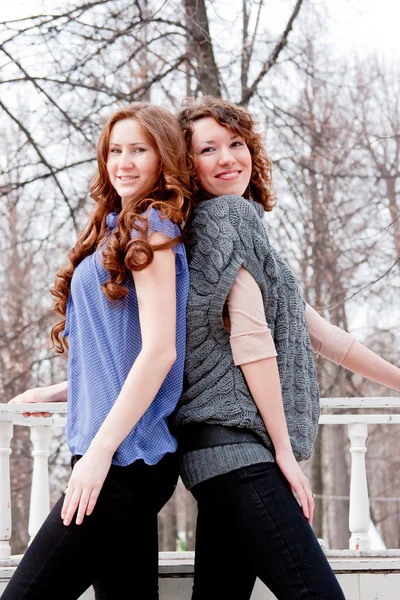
pixel 224 234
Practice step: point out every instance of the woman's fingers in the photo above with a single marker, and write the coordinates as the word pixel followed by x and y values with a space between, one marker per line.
pixel 84 486
pixel 72 506
pixel 68 495
pixel 302 496
pixel 297 480
pixel 83 502
pixel 306 499
pixel 80 501
pixel 92 501
pixel 311 505
pixel 71 501
pixel 37 414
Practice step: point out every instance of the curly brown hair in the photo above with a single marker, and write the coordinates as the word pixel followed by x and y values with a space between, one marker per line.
pixel 239 120
pixel 168 192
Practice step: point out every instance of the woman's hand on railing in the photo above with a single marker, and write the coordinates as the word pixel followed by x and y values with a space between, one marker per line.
pixel 57 392
pixel 297 480
pixel 34 396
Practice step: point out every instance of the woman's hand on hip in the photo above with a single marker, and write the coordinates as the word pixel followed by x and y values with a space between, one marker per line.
pixel 84 485
pixel 297 480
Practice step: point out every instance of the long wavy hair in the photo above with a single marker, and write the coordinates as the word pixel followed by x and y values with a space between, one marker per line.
pixel 168 192
pixel 240 121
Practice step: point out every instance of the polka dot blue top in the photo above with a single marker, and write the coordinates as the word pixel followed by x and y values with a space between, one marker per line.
pixel 104 341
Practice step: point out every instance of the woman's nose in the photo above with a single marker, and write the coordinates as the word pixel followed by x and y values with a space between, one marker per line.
pixel 226 157
pixel 125 160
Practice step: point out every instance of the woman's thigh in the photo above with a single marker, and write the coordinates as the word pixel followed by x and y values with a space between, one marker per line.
pixel 62 562
pixel 255 505
pixel 222 567
pixel 134 573
pixel 59 562
pixel 131 567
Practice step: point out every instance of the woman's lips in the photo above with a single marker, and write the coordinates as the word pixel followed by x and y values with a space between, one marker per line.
pixel 126 178
pixel 228 176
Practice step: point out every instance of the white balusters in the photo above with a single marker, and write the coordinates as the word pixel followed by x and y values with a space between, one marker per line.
pixel 40 492
pixel 6 433
pixel 41 433
pixel 359 516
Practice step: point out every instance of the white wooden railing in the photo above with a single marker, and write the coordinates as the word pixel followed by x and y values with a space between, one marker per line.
pixel 359 513
pixel 41 435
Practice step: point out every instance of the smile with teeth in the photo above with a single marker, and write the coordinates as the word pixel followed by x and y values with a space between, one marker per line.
pixel 230 175
pixel 126 177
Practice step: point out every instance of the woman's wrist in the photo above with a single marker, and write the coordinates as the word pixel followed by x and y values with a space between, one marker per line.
pixel 101 447
pixel 60 392
pixel 51 393
pixel 57 392
pixel 366 363
pixel 283 448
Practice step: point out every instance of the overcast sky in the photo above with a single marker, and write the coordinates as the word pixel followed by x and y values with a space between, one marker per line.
pixel 366 25
pixel 360 25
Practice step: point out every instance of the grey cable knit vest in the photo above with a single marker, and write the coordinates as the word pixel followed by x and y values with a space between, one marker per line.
pixel 226 233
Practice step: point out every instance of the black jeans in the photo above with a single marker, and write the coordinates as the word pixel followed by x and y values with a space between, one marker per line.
pixel 115 548
pixel 250 525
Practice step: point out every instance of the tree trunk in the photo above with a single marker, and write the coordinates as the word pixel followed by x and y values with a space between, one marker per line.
pixel 207 71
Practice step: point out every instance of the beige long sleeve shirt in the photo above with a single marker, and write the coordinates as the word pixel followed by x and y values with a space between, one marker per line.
pixel 251 338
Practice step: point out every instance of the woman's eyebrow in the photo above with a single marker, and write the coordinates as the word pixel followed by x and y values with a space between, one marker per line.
pixel 213 141
pixel 131 144
pixel 206 142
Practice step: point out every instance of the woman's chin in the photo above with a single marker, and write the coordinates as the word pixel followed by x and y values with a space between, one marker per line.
pixel 228 190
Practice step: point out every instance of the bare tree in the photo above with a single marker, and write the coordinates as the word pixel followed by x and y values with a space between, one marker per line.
pixel 333 132
pixel 330 188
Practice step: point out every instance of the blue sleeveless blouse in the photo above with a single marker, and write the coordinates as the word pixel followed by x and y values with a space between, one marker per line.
pixel 104 341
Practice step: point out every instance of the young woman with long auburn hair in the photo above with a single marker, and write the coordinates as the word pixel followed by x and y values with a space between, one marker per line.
pixel 122 300
pixel 250 407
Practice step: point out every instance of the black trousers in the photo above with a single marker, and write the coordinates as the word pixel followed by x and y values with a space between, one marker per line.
pixel 115 549
pixel 250 525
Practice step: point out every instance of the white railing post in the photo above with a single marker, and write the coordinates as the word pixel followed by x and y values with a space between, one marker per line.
pixel 359 516
pixel 40 491
pixel 6 433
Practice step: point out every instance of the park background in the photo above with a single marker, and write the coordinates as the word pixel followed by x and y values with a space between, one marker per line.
pixel 322 78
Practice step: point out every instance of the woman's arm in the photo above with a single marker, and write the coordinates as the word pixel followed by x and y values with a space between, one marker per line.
pixel 340 347
pixel 156 294
pixel 366 363
pixel 254 351
pixel 51 393
pixel 327 340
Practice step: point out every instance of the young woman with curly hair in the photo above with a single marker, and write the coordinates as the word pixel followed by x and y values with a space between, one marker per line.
pixel 122 300
pixel 250 406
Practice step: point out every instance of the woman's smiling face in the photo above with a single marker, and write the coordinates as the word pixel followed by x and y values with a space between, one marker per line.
pixel 132 160
pixel 222 158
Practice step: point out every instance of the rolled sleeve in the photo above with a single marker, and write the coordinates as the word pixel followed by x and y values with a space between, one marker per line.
pixel 329 341
pixel 251 338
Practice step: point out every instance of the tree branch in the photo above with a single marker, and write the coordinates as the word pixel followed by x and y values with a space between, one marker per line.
pixel 274 56
pixel 42 158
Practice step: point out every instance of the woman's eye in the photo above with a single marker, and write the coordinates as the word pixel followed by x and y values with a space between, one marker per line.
pixel 237 143
pixel 119 151
pixel 208 149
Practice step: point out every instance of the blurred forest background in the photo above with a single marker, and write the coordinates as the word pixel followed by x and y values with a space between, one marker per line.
pixel 332 126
